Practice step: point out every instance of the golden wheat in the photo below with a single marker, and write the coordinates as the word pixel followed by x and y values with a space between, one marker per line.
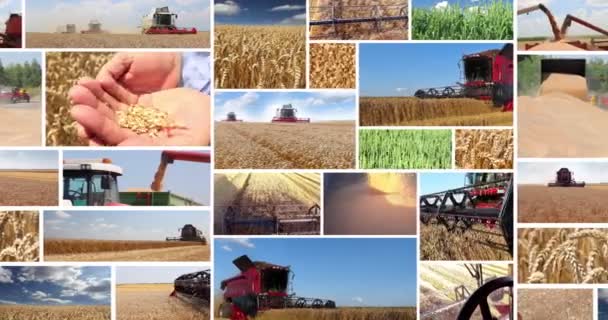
pixel 269 57
pixel 74 246
pixel 484 149
pixel 477 243
pixel 563 255
pixel 63 69
pixel 34 312
pixel 332 65
pixel 555 304
pixel 19 240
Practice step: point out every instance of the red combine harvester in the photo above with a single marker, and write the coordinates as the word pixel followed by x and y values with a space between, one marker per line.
pixel 11 38
pixel 486 198
pixel 488 76
pixel 565 178
pixel 287 113
pixel 162 21
pixel 231 117
pixel 560 34
pixel 262 286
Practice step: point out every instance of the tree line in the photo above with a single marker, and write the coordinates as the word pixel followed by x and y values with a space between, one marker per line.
pixel 27 74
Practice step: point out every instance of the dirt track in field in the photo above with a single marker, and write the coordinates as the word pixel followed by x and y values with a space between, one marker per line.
pixel 187 253
pixel 539 203
pixel 20 124
pixel 58 40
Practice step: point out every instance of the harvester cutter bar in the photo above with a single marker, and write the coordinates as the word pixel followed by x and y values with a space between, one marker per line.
pixel 375 15
pixel 196 302
pixel 276 219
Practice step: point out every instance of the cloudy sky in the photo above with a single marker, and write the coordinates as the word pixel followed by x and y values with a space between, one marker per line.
pixel 262 106
pixel 544 172
pixel 29 159
pixel 120 16
pixel 43 285
pixel 188 179
pixel 260 12
pixel 121 225
pixel 125 275
pixel 536 24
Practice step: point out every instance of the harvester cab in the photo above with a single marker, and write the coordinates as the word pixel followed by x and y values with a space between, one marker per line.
pixel 162 21
pixel 91 182
pixel 565 178
pixel 287 113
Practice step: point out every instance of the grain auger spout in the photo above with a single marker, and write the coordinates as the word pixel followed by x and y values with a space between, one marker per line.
pixel 168 157
pixel 557 33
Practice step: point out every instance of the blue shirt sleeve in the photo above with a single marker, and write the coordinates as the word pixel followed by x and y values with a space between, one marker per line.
pixel 196 71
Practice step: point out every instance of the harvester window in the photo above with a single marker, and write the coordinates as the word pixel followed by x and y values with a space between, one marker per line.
pixel 164 20
pixel 478 69
pixel 275 280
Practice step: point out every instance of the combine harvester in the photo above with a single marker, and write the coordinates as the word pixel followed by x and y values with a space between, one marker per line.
pixel 194 289
pixel 231 117
pixel 278 219
pixel 486 198
pixel 189 233
pixel 11 38
pixel 565 178
pixel 488 76
pixel 337 14
pixel 162 21
pixel 560 35
pixel 95 183
pixel 94 28
pixel 262 286
pixel 469 301
pixel 287 113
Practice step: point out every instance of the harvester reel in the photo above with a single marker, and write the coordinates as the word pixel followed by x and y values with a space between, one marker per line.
pixel 317 303
pixel 479 298
pixel 301 303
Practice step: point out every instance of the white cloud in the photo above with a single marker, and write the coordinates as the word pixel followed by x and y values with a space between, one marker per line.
pixel 103 225
pixel 441 5
pixel 237 105
pixel 244 242
pixel 288 7
pixel 39 295
pixel 227 248
pixel 296 19
pixel 44 297
pixel 7 302
pixel 358 300
pixel 70 279
pixel 6 275
pixel 597 3
pixel 227 8
pixel 62 215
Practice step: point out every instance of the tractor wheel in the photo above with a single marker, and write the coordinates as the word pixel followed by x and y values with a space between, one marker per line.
pixel 420 94
pixel 317 303
pixel 301 303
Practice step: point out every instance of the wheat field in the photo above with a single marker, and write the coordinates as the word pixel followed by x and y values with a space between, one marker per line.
pixel 152 302
pixel 19 241
pixel 333 65
pixel 63 69
pixel 484 149
pixel 410 111
pixel 74 246
pixel 555 304
pixel 37 312
pixel 477 243
pixel 364 313
pixel 263 57
pixel 562 255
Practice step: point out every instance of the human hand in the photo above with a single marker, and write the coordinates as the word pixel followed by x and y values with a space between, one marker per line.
pixel 141 72
pixel 94 110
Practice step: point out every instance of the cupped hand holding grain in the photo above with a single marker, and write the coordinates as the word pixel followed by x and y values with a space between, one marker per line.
pixel 95 112
pixel 141 72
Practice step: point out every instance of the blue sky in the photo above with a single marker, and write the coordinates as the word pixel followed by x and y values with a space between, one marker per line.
pixel 121 225
pixel 401 69
pixel 437 182
pixel 440 3
pixel 189 179
pixel 29 159
pixel 126 275
pixel 353 272
pixel 536 23
pixel 120 16
pixel 544 172
pixel 260 12
pixel 9 58
pixel 58 285
pixel 261 106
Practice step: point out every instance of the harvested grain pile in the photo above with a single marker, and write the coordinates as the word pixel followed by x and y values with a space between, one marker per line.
pixel 555 46
pixel 19 241
pixel 562 255
pixel 263 57
pixel 143 120
pixel 396 111
pixel 484 149
pixel 332 65
pixel 573 85
pixel 63 69
pixel 555 304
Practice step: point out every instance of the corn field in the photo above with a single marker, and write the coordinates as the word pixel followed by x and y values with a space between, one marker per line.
pixel 332 65
pixel 563 255
pixel 400 111
pixel 63 69
pixel 484 149
pixel 264 57
pixel 490 21
pixel 405 149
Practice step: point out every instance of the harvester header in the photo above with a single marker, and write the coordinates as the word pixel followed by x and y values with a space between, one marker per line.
pixel 565 178
pixel 162 21
pixel 287 113
pixel 194 288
